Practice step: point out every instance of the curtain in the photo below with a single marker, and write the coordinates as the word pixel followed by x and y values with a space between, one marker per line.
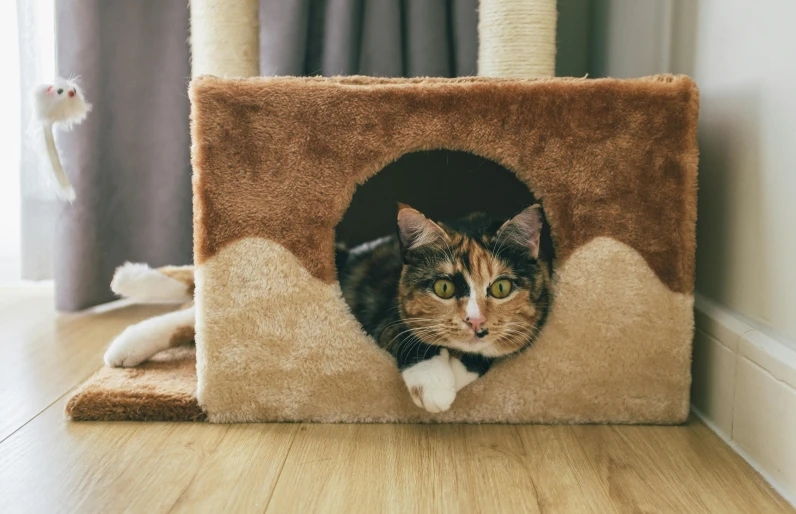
pixel 129 161
pixel 38 207
pixel 390 38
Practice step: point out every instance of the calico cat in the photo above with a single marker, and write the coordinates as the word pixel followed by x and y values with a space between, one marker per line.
pixel 448 299
pixel 445 299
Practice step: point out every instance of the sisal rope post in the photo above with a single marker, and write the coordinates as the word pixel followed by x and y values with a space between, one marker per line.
pixel 517 38
pixel 225 38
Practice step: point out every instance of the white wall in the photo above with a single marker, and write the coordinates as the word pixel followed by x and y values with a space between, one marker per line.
pixel 745 63
pixel 743 56
pixel 630 38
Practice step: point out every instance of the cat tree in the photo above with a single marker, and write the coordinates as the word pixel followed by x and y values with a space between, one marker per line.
pixel 276 162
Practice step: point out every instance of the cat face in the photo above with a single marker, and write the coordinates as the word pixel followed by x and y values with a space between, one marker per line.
pixel 476 286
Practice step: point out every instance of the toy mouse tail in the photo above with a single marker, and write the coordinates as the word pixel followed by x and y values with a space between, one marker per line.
pixel 141 283
pixel 65 189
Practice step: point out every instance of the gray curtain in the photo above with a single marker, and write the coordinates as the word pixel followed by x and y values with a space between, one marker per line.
pixel 389 38
pixel 129 161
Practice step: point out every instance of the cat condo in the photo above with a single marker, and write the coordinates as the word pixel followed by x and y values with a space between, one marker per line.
pixel 276 164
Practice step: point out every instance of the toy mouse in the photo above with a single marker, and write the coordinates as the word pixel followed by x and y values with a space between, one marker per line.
pixel 60 103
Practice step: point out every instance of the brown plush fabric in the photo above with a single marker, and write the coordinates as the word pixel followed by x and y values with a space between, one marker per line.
pixel 163 389
pixel 276 161
pixel 607 157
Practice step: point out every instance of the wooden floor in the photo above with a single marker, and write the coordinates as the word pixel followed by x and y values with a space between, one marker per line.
pixel 50 465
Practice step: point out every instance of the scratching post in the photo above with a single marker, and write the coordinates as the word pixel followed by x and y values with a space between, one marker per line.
pixel 517 38
pixel 225 38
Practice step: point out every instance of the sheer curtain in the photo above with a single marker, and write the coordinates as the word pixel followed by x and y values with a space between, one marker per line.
pixel 9 146
pixel 35 24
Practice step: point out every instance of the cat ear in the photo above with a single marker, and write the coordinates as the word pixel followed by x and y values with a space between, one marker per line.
pixel 524 229
pixel 415 230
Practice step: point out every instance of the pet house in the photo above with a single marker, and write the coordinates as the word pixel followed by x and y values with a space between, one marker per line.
pixel 276 163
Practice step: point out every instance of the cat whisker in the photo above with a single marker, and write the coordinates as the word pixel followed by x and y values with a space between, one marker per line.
pixel 415 332
pixel 404 320
pixel 415 342
pixel 514 335
pixel 513 340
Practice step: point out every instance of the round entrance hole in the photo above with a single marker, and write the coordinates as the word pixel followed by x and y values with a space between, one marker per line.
pixel 442 184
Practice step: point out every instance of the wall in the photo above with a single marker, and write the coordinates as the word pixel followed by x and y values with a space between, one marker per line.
pixel 743 56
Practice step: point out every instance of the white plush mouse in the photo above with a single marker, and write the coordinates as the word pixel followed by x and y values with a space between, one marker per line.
pixel 61 104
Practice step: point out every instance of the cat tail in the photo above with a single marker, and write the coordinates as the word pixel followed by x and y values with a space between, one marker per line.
pixel 141 283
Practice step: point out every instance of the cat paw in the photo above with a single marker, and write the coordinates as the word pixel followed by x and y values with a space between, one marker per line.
pixel 143 340
pixel 461 374
pixel 127 349
pixel 431 383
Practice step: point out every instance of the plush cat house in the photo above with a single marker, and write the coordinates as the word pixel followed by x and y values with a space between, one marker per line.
pixel 276 163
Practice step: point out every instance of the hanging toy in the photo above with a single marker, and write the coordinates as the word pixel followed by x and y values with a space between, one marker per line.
pixel 59 104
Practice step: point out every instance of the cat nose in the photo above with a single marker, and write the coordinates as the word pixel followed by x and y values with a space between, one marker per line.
pixel 475 321
pixel 71 94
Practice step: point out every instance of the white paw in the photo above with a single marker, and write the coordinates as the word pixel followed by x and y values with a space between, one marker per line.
pixel 141 341
pixel 431 383
pixel 129 349
pixel 461 374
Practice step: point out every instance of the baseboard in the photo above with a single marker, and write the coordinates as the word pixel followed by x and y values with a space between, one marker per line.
pixel 744 388
pixel 775 485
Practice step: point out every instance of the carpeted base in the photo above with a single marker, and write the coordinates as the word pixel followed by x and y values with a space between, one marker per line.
pixel 163 389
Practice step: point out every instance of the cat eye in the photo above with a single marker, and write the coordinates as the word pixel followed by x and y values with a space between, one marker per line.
pixel 60 91
pixel 500 288
pixel 444 288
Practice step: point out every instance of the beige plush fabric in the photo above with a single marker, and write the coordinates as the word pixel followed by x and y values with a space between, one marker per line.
pixel 277 344
pixel 276 161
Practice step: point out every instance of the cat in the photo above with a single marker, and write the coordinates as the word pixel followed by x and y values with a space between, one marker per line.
pixel 449 299
pixel 140 283
pixel 446 300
